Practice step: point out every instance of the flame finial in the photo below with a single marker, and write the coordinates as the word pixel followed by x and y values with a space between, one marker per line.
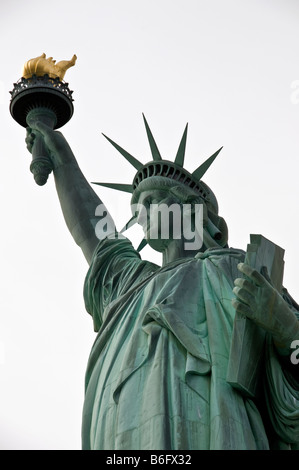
pixel 41 65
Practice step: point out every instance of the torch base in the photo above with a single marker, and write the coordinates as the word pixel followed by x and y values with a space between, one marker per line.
pixel 44 92
pixel 41 167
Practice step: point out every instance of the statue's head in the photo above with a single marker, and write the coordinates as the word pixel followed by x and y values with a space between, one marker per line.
pixel 166 198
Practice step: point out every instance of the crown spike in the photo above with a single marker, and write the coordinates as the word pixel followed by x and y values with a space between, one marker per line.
pixel 136 163
pixel 154 149
pixel 127 188
pixel 200 171
pixel 142 244
pixel 130 223
pixel 180 156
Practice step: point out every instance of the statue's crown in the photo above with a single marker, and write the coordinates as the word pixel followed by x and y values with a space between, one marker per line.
pixel 165 168
pixel 173 171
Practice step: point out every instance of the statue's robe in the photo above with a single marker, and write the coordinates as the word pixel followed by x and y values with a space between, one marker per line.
pixel 156 376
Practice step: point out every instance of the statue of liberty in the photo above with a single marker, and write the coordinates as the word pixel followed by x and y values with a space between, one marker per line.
pixel 156 375
pixel 159 375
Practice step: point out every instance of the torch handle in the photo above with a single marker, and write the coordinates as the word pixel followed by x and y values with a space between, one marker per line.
pixel 41 165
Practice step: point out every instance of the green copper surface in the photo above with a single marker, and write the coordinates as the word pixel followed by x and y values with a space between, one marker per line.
pixel 134 162
pixel 201 170
pixel 156 377
pixel 127 188
pixel 154 149
pixel 180 156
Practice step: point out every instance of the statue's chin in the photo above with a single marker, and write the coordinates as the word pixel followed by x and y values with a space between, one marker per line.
pixel 158 244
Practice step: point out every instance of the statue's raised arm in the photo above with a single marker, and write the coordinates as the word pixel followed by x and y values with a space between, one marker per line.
pixel 77 198
pixel 42 102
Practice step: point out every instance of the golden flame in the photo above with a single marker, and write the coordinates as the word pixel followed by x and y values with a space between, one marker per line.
pixel 42 65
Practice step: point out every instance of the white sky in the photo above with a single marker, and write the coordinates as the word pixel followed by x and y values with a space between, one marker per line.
pixel 225 67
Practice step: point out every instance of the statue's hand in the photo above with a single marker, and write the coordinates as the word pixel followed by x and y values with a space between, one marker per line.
pixel 258 300
pixel 58 148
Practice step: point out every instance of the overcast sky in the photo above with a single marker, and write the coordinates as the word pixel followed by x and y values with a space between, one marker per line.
pixel 230 68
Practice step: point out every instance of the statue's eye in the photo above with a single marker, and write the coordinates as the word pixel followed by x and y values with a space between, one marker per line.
pixel 147 201
pixel 141 215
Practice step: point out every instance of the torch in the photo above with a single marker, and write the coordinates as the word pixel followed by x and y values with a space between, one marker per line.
pixel 41 94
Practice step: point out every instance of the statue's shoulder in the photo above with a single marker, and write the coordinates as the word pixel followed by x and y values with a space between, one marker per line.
pixel 221 253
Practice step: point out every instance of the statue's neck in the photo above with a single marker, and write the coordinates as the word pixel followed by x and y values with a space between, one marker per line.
pixel 177 250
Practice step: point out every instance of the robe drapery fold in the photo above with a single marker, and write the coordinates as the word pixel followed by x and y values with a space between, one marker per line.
pixel 156 376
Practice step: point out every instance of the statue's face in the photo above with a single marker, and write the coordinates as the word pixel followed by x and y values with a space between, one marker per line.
pixel 160 213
